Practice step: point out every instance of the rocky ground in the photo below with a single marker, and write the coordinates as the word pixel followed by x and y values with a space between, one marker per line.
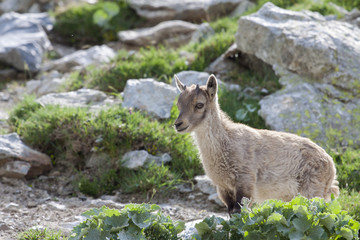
pixel 25 204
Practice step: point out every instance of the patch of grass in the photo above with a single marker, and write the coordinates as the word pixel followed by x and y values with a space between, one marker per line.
pixel 152 62
pixel 348 168
pixel 38 234
pixel 149 180
pixel 76 26
pixel 210 49
pixel 350 202
pixel 71 135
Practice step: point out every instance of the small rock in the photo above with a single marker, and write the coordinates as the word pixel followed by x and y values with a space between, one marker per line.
pixel 215 199
pixel 205 185
pixel 134 159
pixel 11 207
pixel 15 154
pixel 56 206
pixel 141 158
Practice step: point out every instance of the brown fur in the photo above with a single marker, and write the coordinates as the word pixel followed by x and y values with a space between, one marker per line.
pixel 246 162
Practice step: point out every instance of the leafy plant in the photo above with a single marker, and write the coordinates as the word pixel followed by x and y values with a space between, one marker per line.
pixel 40 234
pixel 94 23
pixel 71 135
pixel 348 168
pixel 300 218
pixel 133 222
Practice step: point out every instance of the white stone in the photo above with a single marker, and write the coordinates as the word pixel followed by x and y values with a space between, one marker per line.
pixel 149 95
pixel 159 33
pixel 18 160
pixel 94 99
pixel 205 185
pixel 82 58
pixel 23 41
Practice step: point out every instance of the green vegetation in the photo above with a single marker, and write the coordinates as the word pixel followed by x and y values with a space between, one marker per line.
pixel 94 23
pixel 274 219
pixel 132 222
pixel 348 168
pixel 38 234
pixel 71 135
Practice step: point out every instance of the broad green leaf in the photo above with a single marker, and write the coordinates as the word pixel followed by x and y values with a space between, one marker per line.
pixel 96 234
pixel 202 228
pixel 301 224
pixel 127 235
pixel 335 207
pixel 179 226
pixel 117 221
pixel 76 233
pixel 346 233
pixel 251 107
pixel 276 218
pixel 328 221
pixel 241 114
pixel 111 9
pixel 141 219
pixel 94 211
pixel 101 18
pixel 295 234
pixel 300 210
pixel 317 232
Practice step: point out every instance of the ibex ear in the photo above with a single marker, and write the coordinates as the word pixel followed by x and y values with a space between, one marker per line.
pixel 211 86
pixel 179 84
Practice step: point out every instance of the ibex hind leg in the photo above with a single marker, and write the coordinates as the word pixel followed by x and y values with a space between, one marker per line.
pixel 227 198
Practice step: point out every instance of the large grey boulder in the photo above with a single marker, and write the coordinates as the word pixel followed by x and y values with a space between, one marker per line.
pixel 188 10
pixel 304 43
pixel 15 5
pixel 168 32
pixel 23 41
pixel 149 95
pixel 18 160
pixel 81 58
pixel 87 98
pixel 317 61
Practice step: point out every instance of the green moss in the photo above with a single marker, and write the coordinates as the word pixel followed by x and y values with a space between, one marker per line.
pixel 76 26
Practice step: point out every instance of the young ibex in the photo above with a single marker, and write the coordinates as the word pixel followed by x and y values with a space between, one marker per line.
pixel 246 162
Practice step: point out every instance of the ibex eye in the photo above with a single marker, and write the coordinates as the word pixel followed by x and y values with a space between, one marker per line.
pixel 199 105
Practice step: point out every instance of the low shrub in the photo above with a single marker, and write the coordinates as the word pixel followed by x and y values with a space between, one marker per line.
pixel 132 222
pixel 300 218
pixel 350 202
pixel 152 62
pixel 41 234
pixel 94 23
pixel 348 168
pixel 72 135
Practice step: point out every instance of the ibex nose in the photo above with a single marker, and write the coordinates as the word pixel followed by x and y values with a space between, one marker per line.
pixel 178 124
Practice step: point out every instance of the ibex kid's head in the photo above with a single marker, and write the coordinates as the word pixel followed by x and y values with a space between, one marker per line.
pixel 194 103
